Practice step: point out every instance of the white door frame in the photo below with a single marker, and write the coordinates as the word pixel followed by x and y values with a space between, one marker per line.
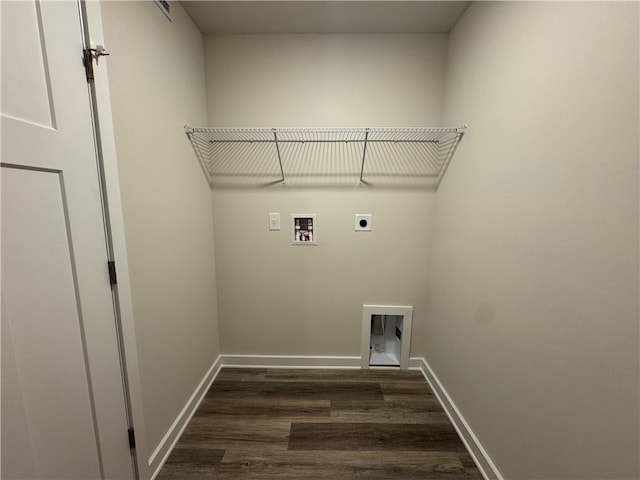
pixel 106 146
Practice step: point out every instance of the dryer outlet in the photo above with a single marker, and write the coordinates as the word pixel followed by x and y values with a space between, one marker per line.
pixel 363 222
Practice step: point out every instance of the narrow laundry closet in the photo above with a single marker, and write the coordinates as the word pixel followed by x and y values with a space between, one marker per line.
pixel 440 189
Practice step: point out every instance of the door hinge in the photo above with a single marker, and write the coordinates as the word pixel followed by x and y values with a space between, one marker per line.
pixel 88 55
pixel 87 60
pixel 113 279
pixel 132 438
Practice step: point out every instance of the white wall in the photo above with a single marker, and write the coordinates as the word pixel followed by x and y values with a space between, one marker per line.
pixel 156 76
pixel 324 80
pixel 275 298
pixel 533 288
pixel 280 299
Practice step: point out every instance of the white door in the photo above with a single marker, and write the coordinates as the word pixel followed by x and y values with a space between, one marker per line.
pixel 63 401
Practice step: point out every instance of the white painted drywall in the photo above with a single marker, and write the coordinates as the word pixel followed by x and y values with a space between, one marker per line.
pixel 532 321
pixel 283 299
pixel 324 80
pixel 157 82
pixel 275 298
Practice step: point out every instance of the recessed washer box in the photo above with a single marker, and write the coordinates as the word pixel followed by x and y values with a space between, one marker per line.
pixel 304 229
pixel 363 222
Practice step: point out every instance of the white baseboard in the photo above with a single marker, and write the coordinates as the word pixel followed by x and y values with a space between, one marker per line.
pixel 303 361
pixel 481 458
pixel 290 361
pixel 164 448
pixel 415 363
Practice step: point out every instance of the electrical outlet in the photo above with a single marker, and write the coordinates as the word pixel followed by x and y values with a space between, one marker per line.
pixel 363 222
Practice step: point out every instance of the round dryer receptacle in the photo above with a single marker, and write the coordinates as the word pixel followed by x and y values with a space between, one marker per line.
pixel 363 222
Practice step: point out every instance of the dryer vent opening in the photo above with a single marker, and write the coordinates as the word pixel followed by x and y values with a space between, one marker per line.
pixel 386 336
pixel 386 340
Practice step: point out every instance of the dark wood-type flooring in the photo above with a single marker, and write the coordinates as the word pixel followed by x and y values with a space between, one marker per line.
pixel 267 424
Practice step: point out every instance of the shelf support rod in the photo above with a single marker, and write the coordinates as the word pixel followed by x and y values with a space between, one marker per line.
pixel 194 144
pixel 275 138
pixel 449 155
pixel 364 155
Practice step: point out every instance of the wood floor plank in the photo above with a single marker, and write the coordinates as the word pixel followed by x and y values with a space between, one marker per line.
pixel 275 407
pixel 206 421
pixel 177 472
pixel 415 388
pixel 284 424
pixel 416 404
pixel 374 436
pixel 235 432
pixel 470 467
pixel 406 397
pixel 295 465
pixel 388 412
pixel 202 456
pixel 197 463
pixel 343 375
pixel 295 390
pixel 241 375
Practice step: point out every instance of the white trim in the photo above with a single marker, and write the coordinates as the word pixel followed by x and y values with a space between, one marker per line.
pixel 168 442
pixel 290 361
pixel 304 361
pixel 415 363
pixel 118 241
pixel 471 442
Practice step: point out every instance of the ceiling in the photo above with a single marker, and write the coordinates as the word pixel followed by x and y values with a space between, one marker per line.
pixel 329 16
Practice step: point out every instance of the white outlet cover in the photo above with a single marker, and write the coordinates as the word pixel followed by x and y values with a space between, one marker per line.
pixel 363 222
pixel 274 221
